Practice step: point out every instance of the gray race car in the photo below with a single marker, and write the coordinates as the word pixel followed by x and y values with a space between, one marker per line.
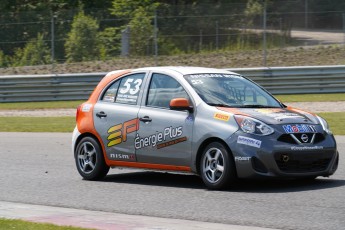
pixel 211 122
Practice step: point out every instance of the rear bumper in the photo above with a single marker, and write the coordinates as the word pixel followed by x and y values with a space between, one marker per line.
pixel 75 136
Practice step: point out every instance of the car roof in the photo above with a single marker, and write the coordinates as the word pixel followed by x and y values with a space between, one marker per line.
pixel 185 70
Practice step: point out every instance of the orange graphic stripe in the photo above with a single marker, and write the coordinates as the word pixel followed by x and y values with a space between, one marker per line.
pixel 148 166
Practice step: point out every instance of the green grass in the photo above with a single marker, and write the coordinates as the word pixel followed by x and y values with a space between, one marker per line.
pixel 66 124
pixel 336 122
pixel 40 105
pixel 6 224
pixel 311 97
pixel 37 124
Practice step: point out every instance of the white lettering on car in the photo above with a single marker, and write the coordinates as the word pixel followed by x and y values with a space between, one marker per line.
pixel 158 137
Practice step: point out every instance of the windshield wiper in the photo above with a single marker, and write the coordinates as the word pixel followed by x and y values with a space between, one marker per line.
pixel 256 106
pixel 219 105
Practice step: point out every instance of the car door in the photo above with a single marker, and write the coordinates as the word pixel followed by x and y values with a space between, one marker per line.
pixel 165 135
pixel 115 116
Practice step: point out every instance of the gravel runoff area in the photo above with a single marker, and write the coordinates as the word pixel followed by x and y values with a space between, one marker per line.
pixel 315 107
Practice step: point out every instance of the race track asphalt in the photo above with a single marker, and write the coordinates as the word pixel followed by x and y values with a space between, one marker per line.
pixel 38 173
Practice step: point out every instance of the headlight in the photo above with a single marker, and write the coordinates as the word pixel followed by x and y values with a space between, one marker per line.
pixel 253 126
pixel 324 125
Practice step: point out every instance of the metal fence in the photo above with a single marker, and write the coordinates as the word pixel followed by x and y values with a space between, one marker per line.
pixel 173 29
pixel 277 80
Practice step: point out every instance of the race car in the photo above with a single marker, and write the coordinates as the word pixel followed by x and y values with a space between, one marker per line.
pixel 210 122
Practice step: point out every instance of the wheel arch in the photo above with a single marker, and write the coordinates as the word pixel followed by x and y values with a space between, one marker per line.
pixel 87 134
pixel 204 144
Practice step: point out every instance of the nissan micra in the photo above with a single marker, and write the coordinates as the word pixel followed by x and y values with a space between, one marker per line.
pixel 210 122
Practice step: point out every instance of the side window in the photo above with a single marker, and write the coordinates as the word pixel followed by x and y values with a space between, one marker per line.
pixel 110 93
pixel 129 88
pixel 162 89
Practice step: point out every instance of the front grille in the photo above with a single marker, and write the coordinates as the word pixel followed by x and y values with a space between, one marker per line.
pixel 298 162
pixel 288 138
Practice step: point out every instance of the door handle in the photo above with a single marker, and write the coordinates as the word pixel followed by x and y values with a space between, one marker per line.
pixel 145 119
pixel 101 114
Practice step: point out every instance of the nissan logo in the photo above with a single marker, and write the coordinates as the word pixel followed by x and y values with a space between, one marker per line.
pixel 305 138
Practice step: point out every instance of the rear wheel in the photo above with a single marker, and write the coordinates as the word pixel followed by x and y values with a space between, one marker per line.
pixel 89 159
pixel 217 167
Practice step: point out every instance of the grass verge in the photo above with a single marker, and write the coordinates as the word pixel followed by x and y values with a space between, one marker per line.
pixel 20 224
pixel 40 105
pixel 335 120
pixel 311 97
pixel 37 124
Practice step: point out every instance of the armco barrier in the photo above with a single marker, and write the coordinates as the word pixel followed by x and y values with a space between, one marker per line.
pixel 277 80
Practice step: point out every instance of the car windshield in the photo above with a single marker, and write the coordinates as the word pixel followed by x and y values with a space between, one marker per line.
pixel 230 90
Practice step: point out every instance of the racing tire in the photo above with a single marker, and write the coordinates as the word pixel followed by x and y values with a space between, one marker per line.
pixel 217 167
pixel 89 159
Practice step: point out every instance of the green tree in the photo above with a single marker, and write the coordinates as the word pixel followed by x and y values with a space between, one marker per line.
pixel 35 52
pixel 253 10
pixel 141 31
pixel 82 43
pixel 3 59
pixel 110 39
pixel 138 16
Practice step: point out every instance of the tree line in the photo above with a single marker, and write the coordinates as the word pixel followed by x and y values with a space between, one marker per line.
pixel 37 32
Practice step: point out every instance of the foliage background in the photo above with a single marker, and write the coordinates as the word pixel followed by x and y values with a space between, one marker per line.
pixel 36 32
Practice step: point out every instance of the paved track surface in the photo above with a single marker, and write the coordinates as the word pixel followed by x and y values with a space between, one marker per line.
pixel 38 168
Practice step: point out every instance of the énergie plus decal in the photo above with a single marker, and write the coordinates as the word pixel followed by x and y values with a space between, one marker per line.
pixel 169 136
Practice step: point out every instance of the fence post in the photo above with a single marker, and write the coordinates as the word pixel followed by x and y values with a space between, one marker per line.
pixel 155 38
pixel 306 14
pixel 200 41
pixel 217 35
pixel 344 26
pixel 125 36
pixel 53 41
pixel 264 34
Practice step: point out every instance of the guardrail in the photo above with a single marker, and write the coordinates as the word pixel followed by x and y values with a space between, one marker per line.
pixel 277 80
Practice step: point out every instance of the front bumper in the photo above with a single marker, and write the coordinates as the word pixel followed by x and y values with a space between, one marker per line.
pixel 270 156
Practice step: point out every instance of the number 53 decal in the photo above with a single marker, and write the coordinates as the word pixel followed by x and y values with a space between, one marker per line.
pixel 131 87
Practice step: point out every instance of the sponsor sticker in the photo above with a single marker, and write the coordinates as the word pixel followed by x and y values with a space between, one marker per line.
pixel 121 156
pixel 118 133
pixel 248 141
pixel 306 148
pixel 213 75
pixel 268 111
pixel 169 136
pixel 278 114
pixel 299 128
pixel 86 108
pixel 242 158
pixel 221 116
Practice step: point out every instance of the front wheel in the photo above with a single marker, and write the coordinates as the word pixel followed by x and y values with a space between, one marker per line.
pixel 89 159
pixel 217 167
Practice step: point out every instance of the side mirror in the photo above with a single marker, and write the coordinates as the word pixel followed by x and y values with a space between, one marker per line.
pixel 181 104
